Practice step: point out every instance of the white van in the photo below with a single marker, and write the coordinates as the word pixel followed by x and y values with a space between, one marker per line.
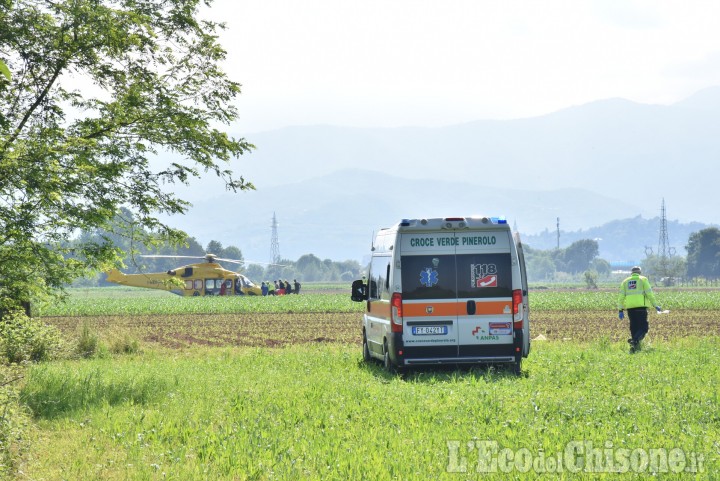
pixel 445 291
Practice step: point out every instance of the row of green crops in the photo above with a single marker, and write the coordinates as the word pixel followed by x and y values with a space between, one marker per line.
pixel 110 301
pixel 589 300
pixel 171 304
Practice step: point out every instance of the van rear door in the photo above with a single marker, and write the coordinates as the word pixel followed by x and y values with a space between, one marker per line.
pixel 429 297
pixel 457 294
pixel 485 310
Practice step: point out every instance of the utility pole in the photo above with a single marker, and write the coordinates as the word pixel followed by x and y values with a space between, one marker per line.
pixel 558 233
pixel 274 243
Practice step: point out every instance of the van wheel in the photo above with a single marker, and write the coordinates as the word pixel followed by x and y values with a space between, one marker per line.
pixel 516 367
pixel 366 349
pixel 387 363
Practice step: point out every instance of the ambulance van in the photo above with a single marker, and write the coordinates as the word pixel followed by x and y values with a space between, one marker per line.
pixel 445 291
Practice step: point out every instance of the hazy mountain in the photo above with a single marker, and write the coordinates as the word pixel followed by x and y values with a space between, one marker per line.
pixel 588 165
pixel 334 216
pixel 626 240
pixel 623 150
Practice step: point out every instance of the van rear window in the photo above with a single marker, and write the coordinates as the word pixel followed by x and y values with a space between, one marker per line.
pixel 428 277
pixel 456 276
pixel 484 275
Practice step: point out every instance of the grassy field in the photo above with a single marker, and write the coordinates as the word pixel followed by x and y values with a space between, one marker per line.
pixel 229 392
pixel 317 412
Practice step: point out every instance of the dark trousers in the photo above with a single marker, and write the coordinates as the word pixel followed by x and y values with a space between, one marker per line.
pixel 638 323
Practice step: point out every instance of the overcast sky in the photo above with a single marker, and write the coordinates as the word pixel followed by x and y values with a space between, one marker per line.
pixel 387 63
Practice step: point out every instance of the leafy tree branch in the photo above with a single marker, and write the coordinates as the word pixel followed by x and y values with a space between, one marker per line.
pixel 110 104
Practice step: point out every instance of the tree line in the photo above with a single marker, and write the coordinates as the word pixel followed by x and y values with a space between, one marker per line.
pixel 582 258
pixel 138 256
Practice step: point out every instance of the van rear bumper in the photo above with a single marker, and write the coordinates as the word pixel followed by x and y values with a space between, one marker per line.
pixel 459 360
pixel 463 354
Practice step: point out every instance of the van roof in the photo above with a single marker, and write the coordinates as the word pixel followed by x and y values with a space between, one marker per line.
pixel 470 222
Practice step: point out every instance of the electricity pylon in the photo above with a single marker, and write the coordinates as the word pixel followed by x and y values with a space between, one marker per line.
pixel 274 243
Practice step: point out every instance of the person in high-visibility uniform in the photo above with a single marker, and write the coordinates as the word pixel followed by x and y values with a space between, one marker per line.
pixel 636 296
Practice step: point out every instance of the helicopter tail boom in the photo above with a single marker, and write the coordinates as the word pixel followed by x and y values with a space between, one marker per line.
pixel 115 276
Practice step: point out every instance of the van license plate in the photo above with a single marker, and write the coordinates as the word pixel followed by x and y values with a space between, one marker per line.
pixel 429 330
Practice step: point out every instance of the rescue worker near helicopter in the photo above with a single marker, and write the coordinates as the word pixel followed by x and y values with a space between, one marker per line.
pixel 636 296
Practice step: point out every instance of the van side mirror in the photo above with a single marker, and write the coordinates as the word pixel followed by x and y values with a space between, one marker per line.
pixel 358 291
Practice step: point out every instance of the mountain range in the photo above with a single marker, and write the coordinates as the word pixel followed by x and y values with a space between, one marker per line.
pixel 331 187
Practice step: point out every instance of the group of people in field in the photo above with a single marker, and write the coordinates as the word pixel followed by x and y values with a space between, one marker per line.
pixel 279 287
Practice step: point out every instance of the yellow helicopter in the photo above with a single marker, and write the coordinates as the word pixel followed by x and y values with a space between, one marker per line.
pixel 201 279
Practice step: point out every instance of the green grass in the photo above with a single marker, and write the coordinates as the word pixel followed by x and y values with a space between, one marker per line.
pixel 318 412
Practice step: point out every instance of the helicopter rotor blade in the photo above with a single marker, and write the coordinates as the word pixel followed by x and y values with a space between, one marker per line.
pixel 161 256
pixel 234 261
pixel 209 258
pixel 265 263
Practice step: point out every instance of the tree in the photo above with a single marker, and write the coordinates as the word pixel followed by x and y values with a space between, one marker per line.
pixel 232 252
pixel 309 261
pixel 540 264
pixel 601 266
pixel 579 254
pixel 215 247
pixel 282 269
pixel 664 270
pixel 349 270
pixel 111 102
pixel 703 259
pixel 256 273
pixel 5 71
pixel 193 248
pixel 591 278
pixel 540 267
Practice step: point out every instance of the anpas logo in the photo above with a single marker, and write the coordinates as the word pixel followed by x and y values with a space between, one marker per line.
pixel 483 275
pixel 487 338
pixel 481 335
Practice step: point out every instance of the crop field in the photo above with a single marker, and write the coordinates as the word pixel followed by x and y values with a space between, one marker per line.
pixel 283 329
pixel 275 388
pixel 327 316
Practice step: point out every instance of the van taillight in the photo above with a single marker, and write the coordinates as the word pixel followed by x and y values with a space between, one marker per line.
pixel 517 299
pixel 396 314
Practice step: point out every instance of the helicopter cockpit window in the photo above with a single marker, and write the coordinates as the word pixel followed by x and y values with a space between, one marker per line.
pixel 189 285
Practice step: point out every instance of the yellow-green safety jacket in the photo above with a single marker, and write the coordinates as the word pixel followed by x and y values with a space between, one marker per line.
pixel 635 291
